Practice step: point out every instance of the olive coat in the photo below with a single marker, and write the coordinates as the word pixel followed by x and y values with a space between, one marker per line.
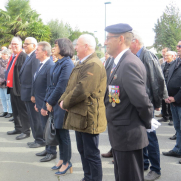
pixel 84 97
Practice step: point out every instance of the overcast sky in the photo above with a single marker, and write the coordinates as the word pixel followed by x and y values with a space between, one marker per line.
pixel 89 15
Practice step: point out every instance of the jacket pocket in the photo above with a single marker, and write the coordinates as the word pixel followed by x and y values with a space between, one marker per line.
pixel 121 122
pixel 78 119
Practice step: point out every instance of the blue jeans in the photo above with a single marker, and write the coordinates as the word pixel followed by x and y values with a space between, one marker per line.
pixel 5 99
pixel 176 116
pixel 152 153
pixel 64 145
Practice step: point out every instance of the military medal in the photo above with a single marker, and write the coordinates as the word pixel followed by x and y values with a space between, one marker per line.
pixel 113 104
pixel 114 93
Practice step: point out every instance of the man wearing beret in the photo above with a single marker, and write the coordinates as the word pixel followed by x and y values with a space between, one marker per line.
pixel 128 108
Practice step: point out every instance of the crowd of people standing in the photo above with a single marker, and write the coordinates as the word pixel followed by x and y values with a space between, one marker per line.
pixel 122 92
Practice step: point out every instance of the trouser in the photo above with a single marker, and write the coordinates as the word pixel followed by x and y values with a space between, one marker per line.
pixel 20 115
pixel 128 165
pixel 35 122
pixel 64 145
pixel 166 112
pixel 152 153
pixel 49 149
pixel 87 145
pixel 176 115
pixel 5 99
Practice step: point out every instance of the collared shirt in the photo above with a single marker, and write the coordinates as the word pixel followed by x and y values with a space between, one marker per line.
pixel 44 61
pixel 30 53
pixel 116 60
pixel 139 52
pixel 85 58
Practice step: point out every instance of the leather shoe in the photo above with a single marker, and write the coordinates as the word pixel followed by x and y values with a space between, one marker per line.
pixel 3 114
pixel 13 132
pixel 29 143
pixel 108 154
pixel 35 145
pixel 22 136
pixel 48 158
pixel 171 153
pixel 173 137
pixel 12 119
pixel 162 120
pixel 9 115
pixel 170 123
pixel 43 153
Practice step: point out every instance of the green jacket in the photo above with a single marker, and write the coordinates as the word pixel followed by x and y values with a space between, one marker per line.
pixel 84 97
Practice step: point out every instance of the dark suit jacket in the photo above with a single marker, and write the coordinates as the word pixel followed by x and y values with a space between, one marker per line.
pixel 59 75
pixel 27 75
pixel 16 82
pixel 40 84
pixel 174 83
pixel 108 66
pixel 127 122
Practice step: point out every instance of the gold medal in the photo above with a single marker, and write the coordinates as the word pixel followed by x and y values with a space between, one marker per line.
pixel 113 104
pixel 110 100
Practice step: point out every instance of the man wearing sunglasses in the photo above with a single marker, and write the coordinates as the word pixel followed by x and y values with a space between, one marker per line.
pixel 174 91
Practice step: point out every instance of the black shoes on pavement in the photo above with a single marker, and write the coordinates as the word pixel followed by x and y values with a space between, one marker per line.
pixel 8 115
pixel 171 153
pixel 13 132
pixel 162 120
pixel 48 157
pixel 173 137
pixel 43 153
pixel 22 136
pixel 3 114
pixel 36 145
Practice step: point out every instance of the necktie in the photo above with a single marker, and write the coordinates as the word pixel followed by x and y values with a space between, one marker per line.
pixel 27 57
pixel 38 69
pixel 113 67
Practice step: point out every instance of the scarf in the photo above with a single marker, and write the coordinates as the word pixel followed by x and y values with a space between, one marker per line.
pixel 10 74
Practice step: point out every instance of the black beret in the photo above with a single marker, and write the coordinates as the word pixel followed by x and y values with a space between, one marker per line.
pixel 118 28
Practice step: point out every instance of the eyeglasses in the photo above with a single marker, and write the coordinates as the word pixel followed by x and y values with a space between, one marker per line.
pixel 178 46
pixel 25 44
pixel 14 44
pixel 109 37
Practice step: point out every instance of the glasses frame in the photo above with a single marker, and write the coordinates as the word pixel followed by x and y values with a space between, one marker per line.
pixel 178 46
pixel 109 37
pixel 26 44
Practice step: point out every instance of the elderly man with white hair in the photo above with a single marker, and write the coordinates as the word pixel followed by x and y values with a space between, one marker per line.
pixel 26 79
pixel 13 83
pixel 84 102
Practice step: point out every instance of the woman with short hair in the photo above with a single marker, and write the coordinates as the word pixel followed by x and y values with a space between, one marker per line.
pixel 59 75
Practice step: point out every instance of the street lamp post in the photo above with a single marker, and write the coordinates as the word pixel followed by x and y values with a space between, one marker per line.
pixel 105 19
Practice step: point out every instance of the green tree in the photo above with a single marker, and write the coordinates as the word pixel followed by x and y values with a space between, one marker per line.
pixel 58 30
pixel 168 28
pixel 20 20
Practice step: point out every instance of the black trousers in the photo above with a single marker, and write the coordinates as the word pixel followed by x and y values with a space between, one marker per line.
pixel 49 149
pixel 87 145
pixel 166 112
pixel 35 122
pixel 128 165
pixel 20 115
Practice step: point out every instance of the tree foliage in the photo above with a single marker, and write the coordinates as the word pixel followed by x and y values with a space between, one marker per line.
pixel 20 20
pixel 168 28
pixel 58 30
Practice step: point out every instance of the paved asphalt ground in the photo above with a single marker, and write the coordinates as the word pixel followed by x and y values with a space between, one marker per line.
pixel 19 163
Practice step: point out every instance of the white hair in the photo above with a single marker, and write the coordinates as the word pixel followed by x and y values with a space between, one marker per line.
pixel 32 39
pixel 173 53
pixel 89 40
pixel 19 39
pixel 137 37
pixel 4 48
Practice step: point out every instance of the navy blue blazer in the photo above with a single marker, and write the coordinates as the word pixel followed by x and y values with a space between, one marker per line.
pixel 26 76
pixel 41 83
pixel 59 75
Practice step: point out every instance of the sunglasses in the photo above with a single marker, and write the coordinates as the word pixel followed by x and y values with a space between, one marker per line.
pixel 178 46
